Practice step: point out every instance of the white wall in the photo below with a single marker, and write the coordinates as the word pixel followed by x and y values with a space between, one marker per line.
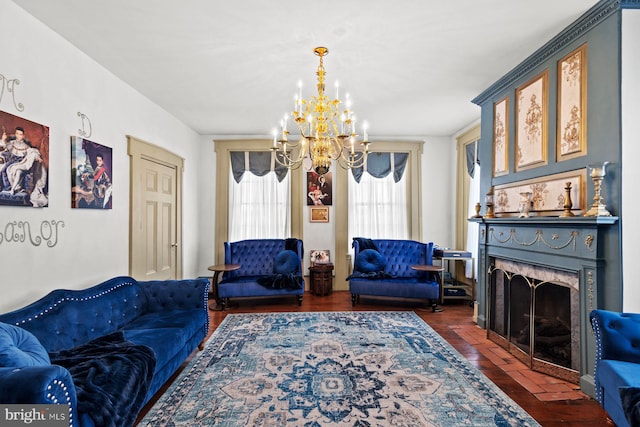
pixel 56 82
pixel 206 205
pixel 439 191
pixel 630 152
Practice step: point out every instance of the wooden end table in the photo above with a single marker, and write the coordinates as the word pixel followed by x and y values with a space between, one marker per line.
pixel 438 272
pixel 217 269
pixel 321 279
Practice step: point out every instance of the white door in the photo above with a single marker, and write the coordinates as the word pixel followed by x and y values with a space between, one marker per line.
pixel 155 238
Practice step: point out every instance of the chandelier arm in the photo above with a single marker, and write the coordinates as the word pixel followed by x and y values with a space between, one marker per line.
pixel 358 160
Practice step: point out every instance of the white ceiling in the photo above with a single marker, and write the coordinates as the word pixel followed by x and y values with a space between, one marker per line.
pixel 411 66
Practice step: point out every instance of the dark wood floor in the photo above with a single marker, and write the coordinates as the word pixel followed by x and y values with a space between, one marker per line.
pixel 583 413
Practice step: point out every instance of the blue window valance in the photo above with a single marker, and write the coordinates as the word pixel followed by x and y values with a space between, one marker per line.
pixel 258 163
pixel 379 165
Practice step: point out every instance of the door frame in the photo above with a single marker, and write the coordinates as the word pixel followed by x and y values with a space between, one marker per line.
pixel 139 151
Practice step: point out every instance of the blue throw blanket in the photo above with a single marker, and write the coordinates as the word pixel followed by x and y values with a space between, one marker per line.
pixel 373 275
pixel 364 243
pixel 111 376
pixel 282 281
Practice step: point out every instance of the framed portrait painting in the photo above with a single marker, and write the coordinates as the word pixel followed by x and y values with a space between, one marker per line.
pixel 319 189
pixel 24 162
pixel 500 137
pixel 531 123
pixel 91 177
pixel 572 105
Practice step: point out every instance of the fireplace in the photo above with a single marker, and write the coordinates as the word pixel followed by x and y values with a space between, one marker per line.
pixel 534 314
pixel 539 278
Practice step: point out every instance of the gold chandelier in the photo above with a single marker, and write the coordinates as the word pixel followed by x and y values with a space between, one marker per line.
pixel 327 131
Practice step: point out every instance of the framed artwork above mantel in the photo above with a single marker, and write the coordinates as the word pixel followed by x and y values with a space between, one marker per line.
pixel 531 122
pixel 547 194
pixel 501 137
pixel 572 105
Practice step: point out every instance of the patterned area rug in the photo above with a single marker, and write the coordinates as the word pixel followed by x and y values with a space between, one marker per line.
pixel 351 369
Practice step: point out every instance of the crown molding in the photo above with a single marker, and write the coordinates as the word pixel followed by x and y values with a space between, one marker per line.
pixel 581 26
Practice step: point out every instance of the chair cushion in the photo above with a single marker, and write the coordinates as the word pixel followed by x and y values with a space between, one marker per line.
pixel 370 261
pixel 20 348
pixel 286 262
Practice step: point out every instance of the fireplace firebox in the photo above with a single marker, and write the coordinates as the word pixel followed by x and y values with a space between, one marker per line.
pixel 534 314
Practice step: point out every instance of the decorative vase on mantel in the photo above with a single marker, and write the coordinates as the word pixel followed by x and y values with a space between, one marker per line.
pixel 524 206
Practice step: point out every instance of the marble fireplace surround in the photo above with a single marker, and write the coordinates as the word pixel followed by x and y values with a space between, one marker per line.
pixel 572 245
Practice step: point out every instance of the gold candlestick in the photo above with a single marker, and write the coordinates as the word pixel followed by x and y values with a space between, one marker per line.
pixel 598 173
pixel 568 204
pixel 477 207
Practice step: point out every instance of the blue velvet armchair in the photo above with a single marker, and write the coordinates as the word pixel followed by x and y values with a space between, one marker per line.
pixel 617 369
pixel 268 268
pixel 383 267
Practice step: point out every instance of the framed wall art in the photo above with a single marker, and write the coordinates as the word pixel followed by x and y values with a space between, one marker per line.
pixel 319 214
pixel 547 194
pixel 91 182
pixel 320 256
pixel 501 137
pixel 319 189
pixel 572 105
pixel 531 123
pixel 24 162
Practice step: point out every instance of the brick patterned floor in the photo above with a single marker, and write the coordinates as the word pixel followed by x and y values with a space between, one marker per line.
pixel 543 387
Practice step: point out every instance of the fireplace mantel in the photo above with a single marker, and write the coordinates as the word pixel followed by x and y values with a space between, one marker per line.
pixel 573 244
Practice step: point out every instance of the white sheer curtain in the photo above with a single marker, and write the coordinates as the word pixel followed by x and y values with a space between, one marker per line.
pixel 378 208
pixel 259 207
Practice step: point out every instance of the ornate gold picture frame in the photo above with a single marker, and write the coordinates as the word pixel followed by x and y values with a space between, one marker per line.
pixel 572 105
pixel 501 137
pixel 531 122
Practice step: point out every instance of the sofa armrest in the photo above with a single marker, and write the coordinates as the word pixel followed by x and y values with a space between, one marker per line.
pixel 50 384
pixel 186 294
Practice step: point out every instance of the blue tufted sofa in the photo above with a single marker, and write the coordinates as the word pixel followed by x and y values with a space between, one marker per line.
pixel 617 369
pixel 382 267
pixel 156 324
pixel 267 269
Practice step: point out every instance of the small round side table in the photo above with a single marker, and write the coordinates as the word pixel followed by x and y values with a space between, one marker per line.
pixel 217 269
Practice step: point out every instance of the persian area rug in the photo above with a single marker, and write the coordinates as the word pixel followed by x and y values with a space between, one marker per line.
pixel 353 369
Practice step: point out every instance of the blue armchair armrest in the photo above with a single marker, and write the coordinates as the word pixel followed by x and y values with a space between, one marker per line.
pixel 51 384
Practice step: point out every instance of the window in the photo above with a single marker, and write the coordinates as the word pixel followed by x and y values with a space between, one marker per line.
pixel 378 206
pixel 259 207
